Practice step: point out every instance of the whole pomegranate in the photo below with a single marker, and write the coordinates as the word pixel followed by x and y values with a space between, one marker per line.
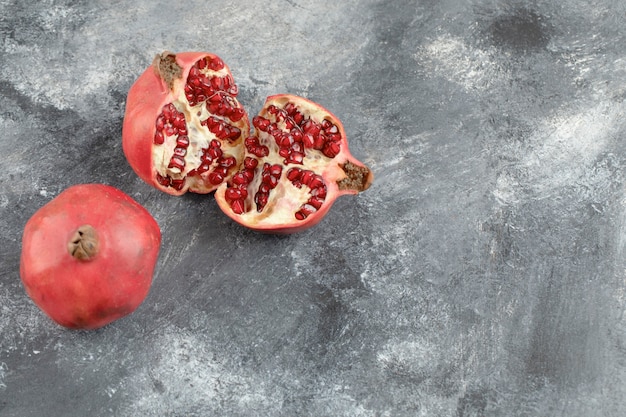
pixel 88 256
pixel 185 130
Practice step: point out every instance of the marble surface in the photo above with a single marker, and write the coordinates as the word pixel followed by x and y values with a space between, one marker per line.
pixel 483 274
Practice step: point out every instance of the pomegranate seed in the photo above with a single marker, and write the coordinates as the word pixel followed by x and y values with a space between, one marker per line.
pixel 308 140
pixel 159 139
pixel 297 147
pixel 216 178
pixel 319 142
pixel 284 152
pixel 238 206
pixel 160 122
pixel 179 121
pixel 261 200
pixel 316 182
pixel 260 123
pixel 311 127
pixel 182 141
pixel 237 114
pixel 201 63
pixel 316 202
pixel 335 137
pixel 261 151
pixel 290 108
pixel 177 162
pixel 233 193
pixel 295 158
pixel 276 170
pixel 296 133
pixel 319 192
pixel 239 179
pixel 180 151
pixel 294 174
pixel 249 174
pixel 204 167
pixel 215 63
pixel 215 98
pixel 307 176
pixel 170 130
pixel 327 124
pixel 272 109
pixel 228 162
pixel 217 83
pixel 164 181
pixel 234 133
pixel 331 149
pixel 178 184
pixel 221 170
pixel 250 163
pixel 168 111
pixel 214 152
pixel 298 118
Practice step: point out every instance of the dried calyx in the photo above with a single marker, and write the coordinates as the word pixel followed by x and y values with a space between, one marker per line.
pixel 83 244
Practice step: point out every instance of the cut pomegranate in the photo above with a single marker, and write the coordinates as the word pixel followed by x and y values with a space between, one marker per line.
pixel 288 182
pixel 184 130
pixel 183 127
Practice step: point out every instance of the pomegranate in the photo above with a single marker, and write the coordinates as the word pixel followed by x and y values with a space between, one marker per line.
pixel 88 256
pixel 184 130
pixel 296 164
pixel 183 127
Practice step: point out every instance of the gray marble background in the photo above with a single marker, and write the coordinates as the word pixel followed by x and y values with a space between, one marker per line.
pixel 483 274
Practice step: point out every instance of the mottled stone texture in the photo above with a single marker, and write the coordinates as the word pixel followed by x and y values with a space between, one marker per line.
pixel 483 274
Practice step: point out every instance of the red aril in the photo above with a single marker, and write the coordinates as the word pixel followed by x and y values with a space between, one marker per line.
pixel 183 127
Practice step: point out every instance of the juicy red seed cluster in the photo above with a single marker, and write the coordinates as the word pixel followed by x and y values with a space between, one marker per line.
pixel 270 176
pixel 221 129
pixel 237 192
pixel 214 154
pixel 299 133
pixel 167 181
pixel 324 137
pixel 254 147
pixel 170 122
pixel 218 92
pixel 315 182
pixel 178 158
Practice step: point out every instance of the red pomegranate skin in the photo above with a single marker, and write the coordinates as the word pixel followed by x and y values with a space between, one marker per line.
pixel 107 283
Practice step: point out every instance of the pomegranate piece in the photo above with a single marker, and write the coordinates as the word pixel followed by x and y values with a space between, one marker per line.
pixel 88 256
pixel 301 165
pixel 181 110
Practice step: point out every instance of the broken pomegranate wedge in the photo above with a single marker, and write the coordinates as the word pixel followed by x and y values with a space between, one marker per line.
pixel 183 126
pixel 184 130
pixel 297 163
